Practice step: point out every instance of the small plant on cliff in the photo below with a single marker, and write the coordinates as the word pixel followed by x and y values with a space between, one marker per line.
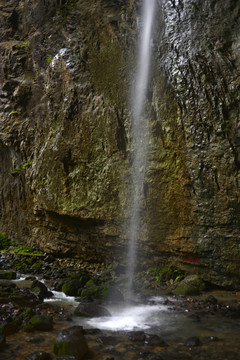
pixel 49 59
pixel 18 170
pixel 23 250
pixel 4 242
pixel 26 165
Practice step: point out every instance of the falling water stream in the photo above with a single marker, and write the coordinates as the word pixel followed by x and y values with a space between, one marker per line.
pixel 140 132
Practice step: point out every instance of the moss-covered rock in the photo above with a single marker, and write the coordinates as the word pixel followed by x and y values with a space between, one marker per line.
pixel 40 289
pixel 90 292
pixel 71 341
pixel 40 322
pixel 71 287
pixel 190 285
pixel 7 274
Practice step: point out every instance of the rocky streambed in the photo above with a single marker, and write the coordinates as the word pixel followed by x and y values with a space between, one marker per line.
pixel 40 322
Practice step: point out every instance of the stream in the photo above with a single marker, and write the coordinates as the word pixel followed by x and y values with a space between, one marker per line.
pixel 177 321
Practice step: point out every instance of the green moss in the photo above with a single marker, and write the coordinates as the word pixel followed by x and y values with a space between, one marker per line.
pixel 107 66
pixel 40 322
pixel 72 287
pixel 7 274
pixel 49 59
pixel 27 313
pixel 191 285
pixel 91 292
pixel 61 348
pixel 164 274
pixel 4 242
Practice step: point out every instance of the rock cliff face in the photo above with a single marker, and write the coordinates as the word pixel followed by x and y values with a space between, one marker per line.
pixel 65 139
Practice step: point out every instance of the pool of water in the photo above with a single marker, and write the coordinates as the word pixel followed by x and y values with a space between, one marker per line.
pixel 158 318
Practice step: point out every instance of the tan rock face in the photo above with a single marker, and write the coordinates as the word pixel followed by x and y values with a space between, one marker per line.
pixel 65 140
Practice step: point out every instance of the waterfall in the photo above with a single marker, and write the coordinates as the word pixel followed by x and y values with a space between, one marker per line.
pixel 140 132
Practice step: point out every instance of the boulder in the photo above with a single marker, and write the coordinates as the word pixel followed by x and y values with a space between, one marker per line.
pixel 2 342
pixel 39 355
pixel 7 274
pixel 71 287
pixel 155 340
pixel 190 285
pixel 90 291
pixel 91 310
pixel 40 322
pixel 40 290
pixel 66 357
pixel 193 341
pixel 24 298
pixel 72 342
pixel 8 328
pixel 137 336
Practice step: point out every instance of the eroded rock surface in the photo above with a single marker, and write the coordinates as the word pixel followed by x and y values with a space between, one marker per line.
pixel 65 141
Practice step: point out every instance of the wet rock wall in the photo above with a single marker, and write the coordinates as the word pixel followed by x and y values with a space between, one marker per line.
pixel 66 70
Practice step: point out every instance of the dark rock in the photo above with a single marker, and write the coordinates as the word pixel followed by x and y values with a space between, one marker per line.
pixel 211 339
pixel 137 336
pixel 155 340
pixel 193 341
pixel 40 290
pixel 147 355
pixel 71 287
pixel 8 328
pixel 7 284
pixel 108 340
pixel 92 331
pixel 71 341
pixel 210 299
pixel 2 342
pixel 24 298
pixel 91 310
pixel 39 355
pixel 8 274
pixel 35 340
pixel 65 357
pixel 40 322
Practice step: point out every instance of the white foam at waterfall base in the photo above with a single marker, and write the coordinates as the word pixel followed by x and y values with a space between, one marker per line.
pixel 130 317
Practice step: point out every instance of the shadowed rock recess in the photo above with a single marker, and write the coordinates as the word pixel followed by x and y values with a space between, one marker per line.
pixel 65 140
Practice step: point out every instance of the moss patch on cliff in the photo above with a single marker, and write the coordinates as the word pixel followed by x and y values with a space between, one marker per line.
pixel 106 65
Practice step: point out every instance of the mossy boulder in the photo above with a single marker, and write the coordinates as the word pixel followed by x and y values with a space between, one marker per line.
pixel 7 274
pixel 71 287
pixel 90 292
pixel 40 322
pixel 40 290
pixel 72 342
pixel 8 328
pixel 190 285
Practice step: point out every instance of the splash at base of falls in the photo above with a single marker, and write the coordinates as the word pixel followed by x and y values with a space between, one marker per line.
pixel 130 317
